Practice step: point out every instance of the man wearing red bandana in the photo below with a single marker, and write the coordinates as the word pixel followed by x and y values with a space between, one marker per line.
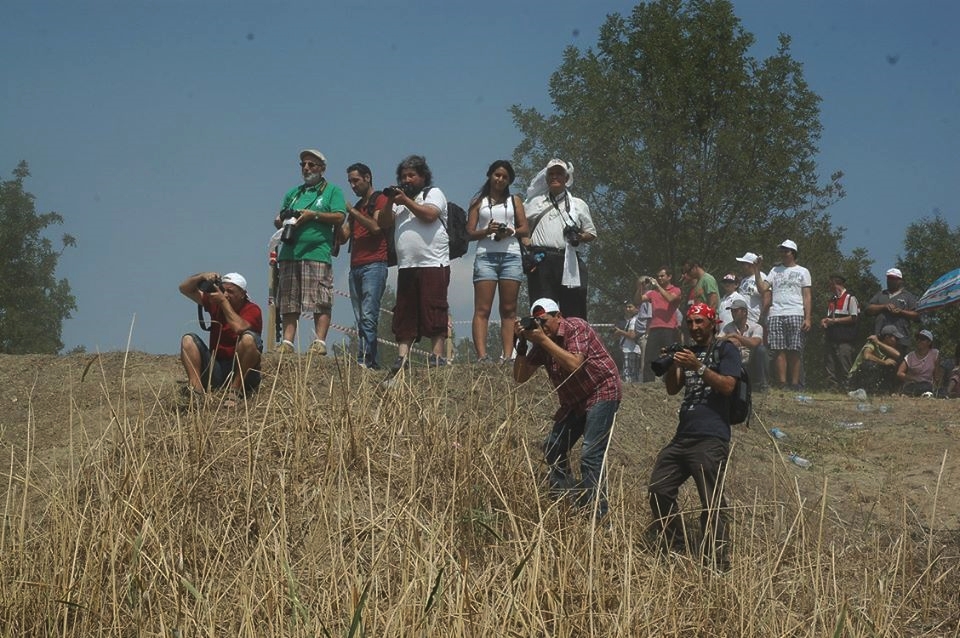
pixel 589 390
pixel 708 373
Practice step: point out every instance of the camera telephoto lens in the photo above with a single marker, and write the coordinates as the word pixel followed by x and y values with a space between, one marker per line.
pixel 660 365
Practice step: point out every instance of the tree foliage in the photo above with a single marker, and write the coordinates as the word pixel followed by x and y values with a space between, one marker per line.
pixel 685 146
pixel 931 249
pixel 33 302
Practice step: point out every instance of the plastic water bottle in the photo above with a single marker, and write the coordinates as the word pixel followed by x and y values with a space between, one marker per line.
pixel 777 433
pixel 804 398
pixel 851 425
pixel 864 407
pixel 885 408
pixel 859 394
pixel 799 460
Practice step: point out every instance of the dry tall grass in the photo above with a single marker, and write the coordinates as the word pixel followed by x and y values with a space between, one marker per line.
pixel 327 506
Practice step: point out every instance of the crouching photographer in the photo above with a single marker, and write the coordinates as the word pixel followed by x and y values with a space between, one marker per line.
pixel 232 357
pixel 707 371
pixel 589 390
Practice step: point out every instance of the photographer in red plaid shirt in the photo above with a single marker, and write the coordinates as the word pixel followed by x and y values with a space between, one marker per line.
pixel 589 390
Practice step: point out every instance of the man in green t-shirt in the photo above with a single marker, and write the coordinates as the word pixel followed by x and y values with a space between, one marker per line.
pixel 309 217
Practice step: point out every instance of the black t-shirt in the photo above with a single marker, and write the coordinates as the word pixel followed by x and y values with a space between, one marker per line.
pixel 704 412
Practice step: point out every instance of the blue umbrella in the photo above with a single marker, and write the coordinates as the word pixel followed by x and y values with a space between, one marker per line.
pixel 943 292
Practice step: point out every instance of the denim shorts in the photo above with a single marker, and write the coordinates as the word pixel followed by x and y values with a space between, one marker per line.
pixel 497 266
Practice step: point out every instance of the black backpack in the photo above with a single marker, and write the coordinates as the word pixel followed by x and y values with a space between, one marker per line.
pixel 740 402
pixel 456 228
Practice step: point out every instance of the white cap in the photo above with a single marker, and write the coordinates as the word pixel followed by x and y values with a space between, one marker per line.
pixel 545 305
pixel 748 258
pixel 557 162
pixel 236 279
pixel 789 243
pixel 895 272
pixel 315 153
pixel 927 334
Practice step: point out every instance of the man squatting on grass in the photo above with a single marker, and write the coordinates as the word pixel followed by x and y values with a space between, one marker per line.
pixel 589 390
pixel 235 326
pixel 708 373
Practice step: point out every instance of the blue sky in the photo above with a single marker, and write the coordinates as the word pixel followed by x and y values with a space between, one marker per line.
pixel 165 132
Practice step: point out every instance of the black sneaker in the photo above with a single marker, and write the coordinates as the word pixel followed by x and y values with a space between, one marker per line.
pixel 397 366
pixel 436 361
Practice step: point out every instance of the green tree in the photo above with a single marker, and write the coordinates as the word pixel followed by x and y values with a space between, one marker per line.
pixel 684 145
pixel 931 249
pixel 33 302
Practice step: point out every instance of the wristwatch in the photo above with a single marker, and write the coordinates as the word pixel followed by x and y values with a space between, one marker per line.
pixel 702 369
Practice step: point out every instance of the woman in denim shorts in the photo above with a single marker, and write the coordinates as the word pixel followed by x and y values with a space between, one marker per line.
pixel 495 220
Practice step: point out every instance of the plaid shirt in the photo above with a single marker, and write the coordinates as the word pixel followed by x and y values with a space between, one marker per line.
pixel 596 380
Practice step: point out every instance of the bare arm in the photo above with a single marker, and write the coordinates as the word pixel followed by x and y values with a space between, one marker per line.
pixel 522 228
pixel 807 303
pixel 473 218
pixel 190 287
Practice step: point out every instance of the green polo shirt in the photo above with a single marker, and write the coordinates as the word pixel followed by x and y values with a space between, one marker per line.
pixel 314 239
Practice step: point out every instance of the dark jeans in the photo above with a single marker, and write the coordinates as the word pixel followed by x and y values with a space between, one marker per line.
pixel 367 283
pixel 594 427
pixel 705 460
pixel 546 280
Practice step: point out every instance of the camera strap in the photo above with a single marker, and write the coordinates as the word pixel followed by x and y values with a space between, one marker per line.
pixel 566 202
pixel 201 320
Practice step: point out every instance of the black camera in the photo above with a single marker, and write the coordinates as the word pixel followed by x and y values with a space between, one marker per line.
pixel 407 189
pixel 572 235
pixel 288 217
pixel 662 363
pixel 530 323
pixel 210 285
pixel 500 230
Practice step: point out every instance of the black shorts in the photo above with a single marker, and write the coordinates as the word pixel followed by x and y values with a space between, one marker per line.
pixel 217 373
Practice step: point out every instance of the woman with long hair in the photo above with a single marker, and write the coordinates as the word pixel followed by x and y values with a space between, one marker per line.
pixel 496 218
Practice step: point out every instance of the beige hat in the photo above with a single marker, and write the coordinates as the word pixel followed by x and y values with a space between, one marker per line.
pixel 315 153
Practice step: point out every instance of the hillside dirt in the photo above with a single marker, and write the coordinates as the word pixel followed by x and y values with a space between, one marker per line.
pixel 874 468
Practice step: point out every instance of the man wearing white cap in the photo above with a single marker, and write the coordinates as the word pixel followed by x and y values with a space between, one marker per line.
pixel 235 327
pixel 588 387
pixel 894 306
pixel 559 226
pixel 754 286
pixel 310 215
pixel 789 320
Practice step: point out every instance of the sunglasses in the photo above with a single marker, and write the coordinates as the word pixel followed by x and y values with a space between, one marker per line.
pixel 310 164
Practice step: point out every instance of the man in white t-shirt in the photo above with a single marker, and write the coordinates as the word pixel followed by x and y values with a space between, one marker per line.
pixel 754 287
pixel 789 319
pixel 729 294
pixel 423 258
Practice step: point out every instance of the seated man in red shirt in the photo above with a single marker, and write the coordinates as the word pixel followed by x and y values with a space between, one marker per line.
pixel 589 390
pixel 235 327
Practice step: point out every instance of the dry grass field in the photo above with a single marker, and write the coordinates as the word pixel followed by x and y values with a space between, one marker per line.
pixel 326 505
